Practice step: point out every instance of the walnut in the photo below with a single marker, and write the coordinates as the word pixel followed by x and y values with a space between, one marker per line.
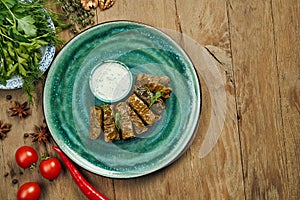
pixel 105 4
pixel 89 4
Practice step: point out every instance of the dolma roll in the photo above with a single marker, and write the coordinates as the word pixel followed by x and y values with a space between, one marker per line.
pixel 109 127
pixel 142 109
pixel 123 120
pixel 156 105
pixel 157 87
pixel 155 84
pixel 138 125
pixel 142 79
pixel 95 122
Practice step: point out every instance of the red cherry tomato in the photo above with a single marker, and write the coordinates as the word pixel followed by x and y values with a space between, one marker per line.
pixel 26 156
pixel 29 190
pixel 50 168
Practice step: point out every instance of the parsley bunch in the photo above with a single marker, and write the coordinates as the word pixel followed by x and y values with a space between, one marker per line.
pixel 24 29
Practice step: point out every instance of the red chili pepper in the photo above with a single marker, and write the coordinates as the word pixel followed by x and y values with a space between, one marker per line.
pixel 87 189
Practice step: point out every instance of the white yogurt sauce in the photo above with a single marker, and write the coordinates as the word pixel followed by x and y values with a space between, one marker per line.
pixel 111 81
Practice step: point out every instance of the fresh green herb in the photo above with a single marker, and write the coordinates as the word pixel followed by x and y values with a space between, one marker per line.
pixel 117 119
pixel 156 96
pixel 24 29
pixel 105 107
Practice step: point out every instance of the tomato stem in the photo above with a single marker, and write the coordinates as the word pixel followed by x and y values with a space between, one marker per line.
pixel 45 157
pixel 32 166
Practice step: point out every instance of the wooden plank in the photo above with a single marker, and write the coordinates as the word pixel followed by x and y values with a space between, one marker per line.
pixel 208 25
pixel 14 139
pixel 159 13
pixel 287 45
pixel 258 99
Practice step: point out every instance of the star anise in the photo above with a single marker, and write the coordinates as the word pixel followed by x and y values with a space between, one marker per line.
pixel 41 134
pixel 4 129
pixel 19 110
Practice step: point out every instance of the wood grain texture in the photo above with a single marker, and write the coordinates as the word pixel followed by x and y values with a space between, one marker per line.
pixel 287 46
pixel 208 25
pixel 259 98
pixel 255 47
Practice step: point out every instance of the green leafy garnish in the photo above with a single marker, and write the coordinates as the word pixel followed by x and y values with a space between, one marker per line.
pixel 156 96
pixel 26 24
pixel 24 29
pixel 117 119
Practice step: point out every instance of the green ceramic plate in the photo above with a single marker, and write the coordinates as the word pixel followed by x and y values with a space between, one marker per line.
pixel 67 99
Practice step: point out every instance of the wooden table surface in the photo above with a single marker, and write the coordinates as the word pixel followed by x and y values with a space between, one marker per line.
pixel 255 48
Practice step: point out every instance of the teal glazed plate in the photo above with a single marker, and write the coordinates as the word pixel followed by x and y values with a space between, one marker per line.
pixel 68 98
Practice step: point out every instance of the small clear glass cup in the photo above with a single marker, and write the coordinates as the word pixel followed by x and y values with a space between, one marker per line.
pixel 111 81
